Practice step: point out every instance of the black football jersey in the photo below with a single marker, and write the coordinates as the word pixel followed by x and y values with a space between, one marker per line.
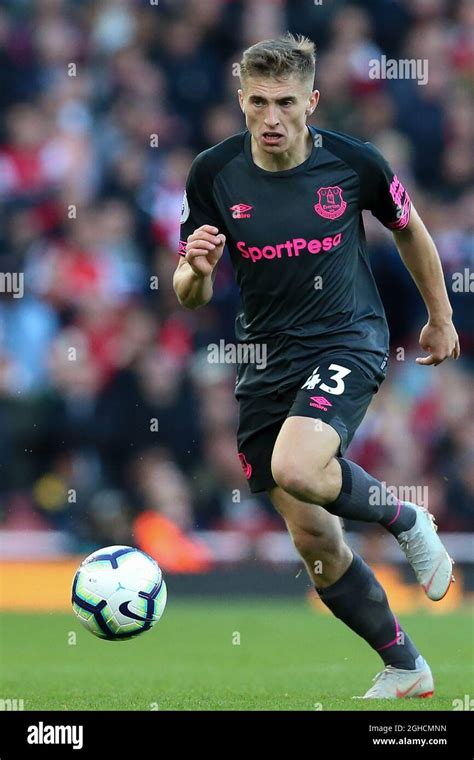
pixel 297 245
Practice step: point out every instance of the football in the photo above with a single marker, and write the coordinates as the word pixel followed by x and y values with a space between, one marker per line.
pixel 118 592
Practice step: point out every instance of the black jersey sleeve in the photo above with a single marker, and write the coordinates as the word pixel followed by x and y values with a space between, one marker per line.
pixel 382 192
pixel 198 204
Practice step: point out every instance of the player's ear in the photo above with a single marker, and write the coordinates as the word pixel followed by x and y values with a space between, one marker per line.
pixel 314 100
pixel 241 99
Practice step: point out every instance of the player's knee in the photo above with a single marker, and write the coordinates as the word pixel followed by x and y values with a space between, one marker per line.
pixel 325 546
pixel 293 478
pixel 289 476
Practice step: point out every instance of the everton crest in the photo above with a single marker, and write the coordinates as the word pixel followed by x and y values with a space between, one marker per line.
pixel 330 203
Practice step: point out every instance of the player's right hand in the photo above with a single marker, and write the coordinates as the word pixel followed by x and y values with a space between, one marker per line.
pixel 204 249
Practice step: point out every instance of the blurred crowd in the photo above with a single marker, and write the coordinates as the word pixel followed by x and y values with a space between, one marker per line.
pixel 109 409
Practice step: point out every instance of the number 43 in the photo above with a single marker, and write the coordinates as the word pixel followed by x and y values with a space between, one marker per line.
pixel 337 377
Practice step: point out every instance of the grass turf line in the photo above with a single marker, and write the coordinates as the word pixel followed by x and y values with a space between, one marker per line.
pixel 289 658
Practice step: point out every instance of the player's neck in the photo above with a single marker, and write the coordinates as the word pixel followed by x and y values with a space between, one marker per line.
pixel 297 155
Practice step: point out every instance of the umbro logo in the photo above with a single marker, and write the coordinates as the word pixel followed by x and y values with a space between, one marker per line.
pixel 240 211
pixel 319 402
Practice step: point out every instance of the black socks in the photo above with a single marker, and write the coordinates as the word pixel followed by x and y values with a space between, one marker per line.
pixel 365 498
pixel 359 600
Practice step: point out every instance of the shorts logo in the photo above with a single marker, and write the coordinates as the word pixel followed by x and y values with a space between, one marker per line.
pixel 240 211
pixel 247 468
pixel 330 203
pixel 319 402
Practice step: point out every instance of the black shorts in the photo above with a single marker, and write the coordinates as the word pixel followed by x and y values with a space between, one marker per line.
pixel 336 391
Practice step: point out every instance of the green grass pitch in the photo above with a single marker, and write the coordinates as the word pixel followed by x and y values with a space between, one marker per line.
pixel 289 658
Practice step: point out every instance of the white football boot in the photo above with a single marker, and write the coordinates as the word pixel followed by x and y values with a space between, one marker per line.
pixel 396 683
pixel 426 554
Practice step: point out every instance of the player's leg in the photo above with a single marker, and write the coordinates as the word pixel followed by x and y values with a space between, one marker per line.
pixel 344 582
pixel 260 421
pixel 305 464
pixel 317 536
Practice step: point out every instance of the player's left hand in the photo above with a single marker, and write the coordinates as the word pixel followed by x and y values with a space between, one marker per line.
pixel 440 341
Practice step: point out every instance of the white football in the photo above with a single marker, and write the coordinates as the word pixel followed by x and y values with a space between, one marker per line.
pixel 118 592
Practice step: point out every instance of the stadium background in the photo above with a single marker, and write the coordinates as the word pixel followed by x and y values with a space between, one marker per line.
pixel 114 426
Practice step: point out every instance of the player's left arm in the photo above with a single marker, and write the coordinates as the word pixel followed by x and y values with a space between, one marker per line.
pixel 382 192
pixel 418 252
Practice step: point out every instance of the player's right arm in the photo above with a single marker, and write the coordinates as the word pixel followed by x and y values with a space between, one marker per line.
pixel 194 275
pixel 201 242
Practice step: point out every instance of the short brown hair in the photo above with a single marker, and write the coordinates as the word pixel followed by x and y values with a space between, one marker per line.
pixel 280 58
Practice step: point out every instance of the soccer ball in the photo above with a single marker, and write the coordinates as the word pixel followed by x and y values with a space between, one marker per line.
pixel 118 592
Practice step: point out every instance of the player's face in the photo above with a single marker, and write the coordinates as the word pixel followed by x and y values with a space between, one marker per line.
pixel 276 111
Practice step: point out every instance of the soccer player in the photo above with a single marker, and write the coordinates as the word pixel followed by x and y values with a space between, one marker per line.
pixel 286 198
